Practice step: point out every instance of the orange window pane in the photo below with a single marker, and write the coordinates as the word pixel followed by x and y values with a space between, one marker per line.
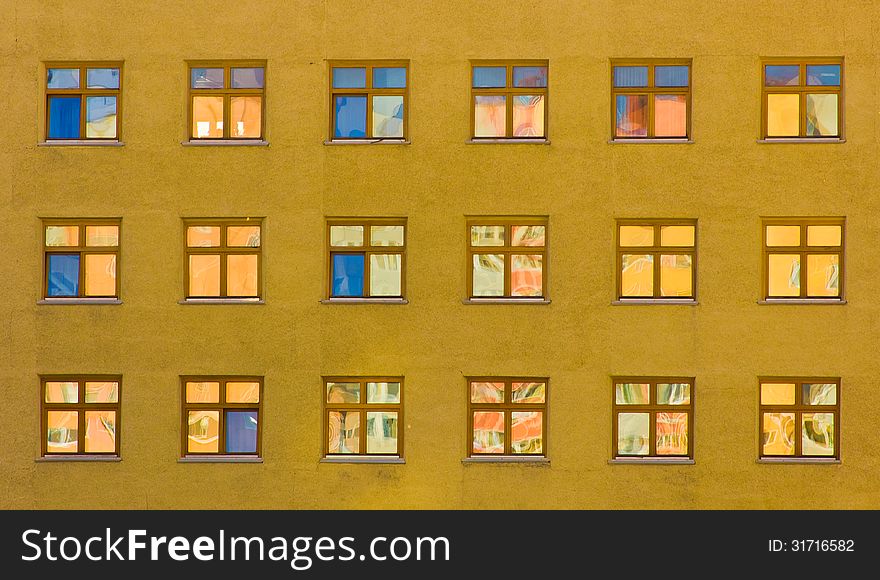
pixel 100 432
pixel 62 431
pixel 62 236
pixel 823 275
pixel 528 116
pixel 777 393
pixel 777 437
pixel 490 116
pixel 783 275
pixel 672 433
pixel 203 236
pixel 527 432
pixel 204 275
pixel 100 274
pixel 243 236
pixel 783 115
pixel 102 235
pixel 823 235
pixel 527 235
pixel 241 275
pixel 62 392
pixel 783 236
pixel 677 236
pixel 488 432
pixel 102 392
pixel 207 117
pixel 670 116
pixel 636 236
pixel 203 431
pixel 246 117
pixel 527 275
pixel 245 392
pixel 676 275
pixel 203 392
pixel 344 432
pixel 637 275
pixel 482 392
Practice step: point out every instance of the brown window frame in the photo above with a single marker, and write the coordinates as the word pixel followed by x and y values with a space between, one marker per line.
pixel 508 92
pixel 83 92
pixel 508 251
pixel 82 250
pixel 222 407
pixel 802 89
pixel 798 409
pixel 367 249
pixel 227 92
pixel 369 92
pixel 507 406
pixel 650 91
pixel 652 408
pixel 803 250
pixel 81 407
pixel 224 251
pixel 362 408
pixel 657 250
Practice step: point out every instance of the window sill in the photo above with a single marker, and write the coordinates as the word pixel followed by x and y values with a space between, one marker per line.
pixel 80 143
pixel 221 301
pixel 506 301
pixel 83 458
pixel 510 141
pixel 831 140
pixel 822 301
pixel 643 301
pixel 220 459
pixel 368 142
pixel 542 460
pixel 362 459
pixel 626 141
pixel 89 301
pixel 803 460
pixel 651 461
pixel 225 143
pixel 365 301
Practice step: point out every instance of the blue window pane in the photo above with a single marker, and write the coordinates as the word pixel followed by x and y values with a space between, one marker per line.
pixel 490 76
pixel 530 76
pixel 63 275
pixel 389 78
pixel 349 78
pixel 671 76
pixel 206 78
pixel 823 74
pixel 248 78
pixel 630 76
pixel 348 275
pixel 102 78
pixel 241 432
pixel 782 75
pixel 351 117
pixel 62 78
pixel 64 117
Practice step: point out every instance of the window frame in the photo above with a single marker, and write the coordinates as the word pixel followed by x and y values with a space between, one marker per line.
pixel 224 251
pixel 652 408
pixel 80 407
pixel 222 406
pixel 802 90
pixel 650 91
pixel 367 249
pixel 82 250
pixel 798 409
pixel 656 251
pixel 362 408
pixel 508 250
pixel 507 406
pixel 227 92
pixel 803 250
pixel 508 92
pixel 369 92
pixel 83 92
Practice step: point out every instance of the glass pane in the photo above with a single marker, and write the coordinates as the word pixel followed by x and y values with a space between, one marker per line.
pixel 248 78
pixel 389 77
pixel 241 431
pixel 382 432
pixel 243 236
pixel 527 392
pixel 63 279
pixel 783 236
pixel 487 235
pixel 527 235
pixel 100 432
pixel 64 117
pixel 207 118
pixel 671 76
pixel 672 434
pixel 344 431
pixel 777 393
pixel 823 235
pixel 676 275
pixel 782 75
pixel 101 117
pixel 383 392
pixel 203 431
pixel 62 236
pixel 351 117
pixel 632 394
pixel 817 434
pixel 345 393
pixel 203 236
pixel 822 115
pixel 482 392
pixel 62 432
pixel 636 236
pixel 203 392
pixel 490 116
pixel 670 116
pixel 823 275
pixel 490 76
pixel 783 115
pixel 245 117
pixel 100 274
pixel 385 275
pixel 62 392
pixel 204 275
pixel 527 275
pixel 633 433
pixel 388 116
pixel 632 116
pixel 102 236
pixel 102 392
pixel 527 432
pixel 784 271
pixel 488 432
pixel 820 394
pixel 349 78
pixel 630 76
pixel 386 235
pixel 243 392
pixel 528 115
pixel 823 74
pixel 637 275
pixel 348 275
pixel 488 275
pixel 673 394
pixel 206 78
pixel 242 275
pixel 62 78
pixel 530 76
pixel 346 236
pixel 677 236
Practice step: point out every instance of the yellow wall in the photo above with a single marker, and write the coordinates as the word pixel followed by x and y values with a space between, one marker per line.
pixel 725 179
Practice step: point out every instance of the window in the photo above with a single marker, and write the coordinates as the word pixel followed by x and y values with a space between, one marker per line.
pixel 367 257
pixel 656 259
pixel 811 406
pixel 223 258
pixel 507 416
pixel 80 258
pixel 653 417
pixel 80 415
pixel 651 99
pixel 803 258
pixel 221 415
pixel 802 98
pixel 226 99
pixel 375 403
pixel 82 100
pixel 507 257
pixel 509 99
pixel 369 100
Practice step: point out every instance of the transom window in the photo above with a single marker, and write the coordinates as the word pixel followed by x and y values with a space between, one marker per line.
pixel 80 415
pixel 809 406
pixel 226 99
pixel 369 99
pixel 653 417
pixel 651 99
pixel 82 100
pixel 507 416
pixel 802 98
pixel 803 258
pixel 367 257
pixel 656 259
pixel 80 258
pixel 222 415
pixel 363 416
pixel 509 99
pixel 507 257
pixel 223 258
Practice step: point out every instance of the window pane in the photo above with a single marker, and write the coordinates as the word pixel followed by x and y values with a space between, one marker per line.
pixel 530 76
pixel 385 275
pixel 671 76
pixel 784 271
pixel 207 117
pixel 204 275
pixel 632 393
pixel 241 431
pixel 345 393
pixel 100 432
pixel 245 117
pixel 64 117
pixel 527 275
pixel 528 115
pixel 348 275
pixel 349 78
pixel 630 76
pixel 386 235
pixel 823 235
pixel 527 236
pixel 823 275
pixel 673 393
pixel 383 392
pixel 817 434
pixel 670 116
pixel 482 392
pixel 777 437
pixel 203 392
pixel 783 115
pixel 782 75
pixel 822 115
pixel 632 116
pixel 101 117
pixel 389 77
pixel 527 432
pixel 248 78
pixel 243 392
pixel 633 433
pixel 62 431
pixel 102 392
pixel 242 275
pixel 676 275
pixel 820 394
pixel 62 78
pixel 490 116
pixel 637 275
pixel 62 392
pixel 351 117
pixel 203 236
pixel 636 236
pixel 527 392
pixel 823 74
pixel 63 278
pixel 206 78
pixel 777 393
pixel 344 431
pixel 243 236
pixel 62 236
pixel 203 431
pixel 346 236
pixel 783 235
pixel 490 76
pixel 382 432
pixel 672 433
pixel 100 274
pixel 677 236
pixel 488 275
pixel 388 116
pixel 488 432
pixel 487 235
pixel 107 236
